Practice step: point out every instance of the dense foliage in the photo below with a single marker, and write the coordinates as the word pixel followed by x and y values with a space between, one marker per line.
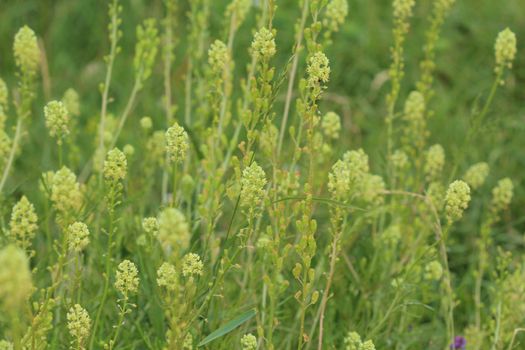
pixel 217 191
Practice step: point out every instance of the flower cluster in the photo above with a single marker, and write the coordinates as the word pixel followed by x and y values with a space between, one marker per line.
pixel 263 44
pixel 353 342
pixel 339 180
pixel 115 166
pixel 174 231
pixel 505 49
pixel 146 48
pixel 433 271
pixel 15 278
pixel 502 195
pixel 65 191
pixel 78 236
pixel 6 345
pixel 475 175
pixel 456 200
pixel 146 123
pixel 57 120
pixel 399 160
pixel 127 279
pixel 151 226
pixel 434 162
pixel 414 106
pixel 249 342
pixel 253 181
pixel 78 324
pixel 167 277
pixel 26 51
pixel 71 102
pixel 192 265
pixel 331 125
pixel 335 14
pixel 318 70
pixel 23 223
pixel 176 143
pixel 403 8
pixel 218 57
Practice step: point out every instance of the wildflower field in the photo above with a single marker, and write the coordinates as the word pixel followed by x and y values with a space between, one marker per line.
pixel 262 174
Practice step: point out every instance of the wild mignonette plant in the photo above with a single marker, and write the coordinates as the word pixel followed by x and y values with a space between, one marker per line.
pixel 216 198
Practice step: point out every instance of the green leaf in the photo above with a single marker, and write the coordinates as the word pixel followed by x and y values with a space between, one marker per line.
pixel 228 327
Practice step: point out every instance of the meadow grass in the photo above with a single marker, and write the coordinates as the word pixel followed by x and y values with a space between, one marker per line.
pixel 314 174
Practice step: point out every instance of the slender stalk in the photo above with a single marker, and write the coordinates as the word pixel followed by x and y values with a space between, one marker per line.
pixel 448 284
pixel 326 292
pixel 107 80
pixel 168 58
pixel 14 146
pixel 107 273
pixel 122 314
pixel 293 72
pixel 127 110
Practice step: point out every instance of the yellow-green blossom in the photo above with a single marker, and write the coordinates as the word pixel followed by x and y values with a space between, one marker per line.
pixel 127 279
pixel 15 278
pixel 399 160
pixel 78 324
pixel 353 342
pixel 218 57
pixel 505 49
pixel 331 125
pixel 475 175
pixel 177 143
pixel 71 101
pixel 57 120
pixel 192 265
pixel 358 163
pixel 456 200
pixel 502 195
pixel 403 8
pixel 23 223
pixel 146 123
pixel 318 70
pixel 373 188
pixel 167 277
pixel 434 162
pixel 78 236
pixel 65 192
pixel 151 226
pixel 433 271
pixel 263 44
pixel 253 181
pixel 339 180
pixel 128 150
pixel 249 342
pixel 174 232
pixel 115 166
pixel 26 51
pixel 335 14
pixel 6 345
pixel 146 49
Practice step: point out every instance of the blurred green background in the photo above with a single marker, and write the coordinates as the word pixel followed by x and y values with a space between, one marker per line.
pixel 74 34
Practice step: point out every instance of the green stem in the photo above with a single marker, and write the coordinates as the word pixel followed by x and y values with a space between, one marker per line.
pixel 16 140
pixel 108 270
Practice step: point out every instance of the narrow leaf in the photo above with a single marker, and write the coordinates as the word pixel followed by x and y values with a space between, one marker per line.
pixel 228 327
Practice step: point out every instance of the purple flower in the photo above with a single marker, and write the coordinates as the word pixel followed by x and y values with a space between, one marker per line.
pixel 459 343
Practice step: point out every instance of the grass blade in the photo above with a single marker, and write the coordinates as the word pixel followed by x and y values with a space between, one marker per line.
pixel 228 327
